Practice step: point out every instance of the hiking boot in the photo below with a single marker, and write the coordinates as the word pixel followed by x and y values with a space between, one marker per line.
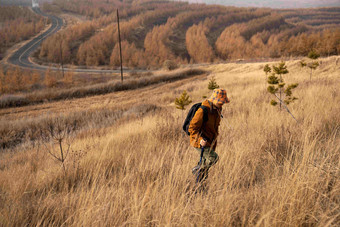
pixel 195 170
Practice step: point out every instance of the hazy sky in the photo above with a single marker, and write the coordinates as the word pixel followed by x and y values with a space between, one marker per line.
pixel 272 3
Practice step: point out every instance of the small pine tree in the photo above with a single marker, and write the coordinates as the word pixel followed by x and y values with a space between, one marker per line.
pixel 212 84
pixel 277 84
pixel 313 55
pixel 267 69
pixel 280 70
pixel 273 80
pixel 183 101
pixel 312 65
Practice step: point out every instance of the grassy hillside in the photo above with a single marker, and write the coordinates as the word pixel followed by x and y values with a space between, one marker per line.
pixel 130 163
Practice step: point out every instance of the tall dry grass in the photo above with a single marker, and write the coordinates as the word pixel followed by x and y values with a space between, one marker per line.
pixel 272 171
pixel 29 131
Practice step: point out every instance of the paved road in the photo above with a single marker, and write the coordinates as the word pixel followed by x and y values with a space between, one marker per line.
pixel 21 56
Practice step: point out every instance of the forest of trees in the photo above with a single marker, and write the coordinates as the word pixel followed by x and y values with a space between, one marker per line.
pixel 153 32
pixel 14 79
pixel 17 24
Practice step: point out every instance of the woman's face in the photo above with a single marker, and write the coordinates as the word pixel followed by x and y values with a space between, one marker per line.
pixel 218 105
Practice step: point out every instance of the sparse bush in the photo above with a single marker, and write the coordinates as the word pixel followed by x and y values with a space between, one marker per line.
pixel 170 65
pixel 313 54
pixel 56 138
pixel 303 63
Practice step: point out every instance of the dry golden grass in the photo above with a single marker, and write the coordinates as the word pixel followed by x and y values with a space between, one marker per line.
pixel 272 171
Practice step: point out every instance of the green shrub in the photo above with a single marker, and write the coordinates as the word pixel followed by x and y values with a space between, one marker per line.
pixel 183 101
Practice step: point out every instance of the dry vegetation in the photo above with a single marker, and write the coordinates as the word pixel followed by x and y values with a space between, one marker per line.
pixel 54 93
pixel 17 24
pixel 130 163
pixel 156 31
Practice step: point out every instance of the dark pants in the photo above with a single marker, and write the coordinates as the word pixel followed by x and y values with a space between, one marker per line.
pixel 210 157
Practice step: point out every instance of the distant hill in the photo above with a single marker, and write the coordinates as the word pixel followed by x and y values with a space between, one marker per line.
pixel 153 32
pixel 15 2
pixel 273 3
pixel 20 2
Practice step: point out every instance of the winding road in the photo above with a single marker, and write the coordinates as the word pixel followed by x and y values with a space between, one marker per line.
pixel 21 56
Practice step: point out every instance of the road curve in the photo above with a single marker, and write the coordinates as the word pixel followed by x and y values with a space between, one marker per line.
pixel 21 56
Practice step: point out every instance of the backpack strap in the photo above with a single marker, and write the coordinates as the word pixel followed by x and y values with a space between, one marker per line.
pixel 205 113
pixel 205 119
pixel 211 106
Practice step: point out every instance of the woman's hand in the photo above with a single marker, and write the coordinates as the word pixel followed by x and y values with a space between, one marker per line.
pixel 203 142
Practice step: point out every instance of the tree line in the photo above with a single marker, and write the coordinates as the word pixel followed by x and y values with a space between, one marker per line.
pixel 17 24
pixel 154 32
pixel 15 80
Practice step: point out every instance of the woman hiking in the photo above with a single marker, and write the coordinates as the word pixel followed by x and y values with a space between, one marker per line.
pixel 204 132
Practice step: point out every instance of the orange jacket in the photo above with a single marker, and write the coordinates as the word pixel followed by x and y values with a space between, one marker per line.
pixel 207 130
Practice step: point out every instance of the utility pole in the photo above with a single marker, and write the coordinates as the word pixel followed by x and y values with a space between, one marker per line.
pixel 120 49
pixel 61 56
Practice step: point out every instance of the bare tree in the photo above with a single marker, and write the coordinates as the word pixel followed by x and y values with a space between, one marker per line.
pixel 56 137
